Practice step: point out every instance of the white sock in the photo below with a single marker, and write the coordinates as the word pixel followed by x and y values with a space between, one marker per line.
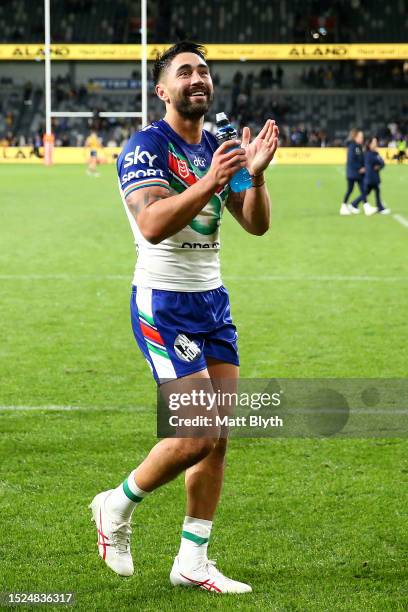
pixel 124 499
pixel 194 543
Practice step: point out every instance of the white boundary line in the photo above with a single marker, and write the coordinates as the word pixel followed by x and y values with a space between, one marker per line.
pixel 65 277
pixel 290 411
pixel 402 220
pixel 272 277
pixel 320 278
pixel 55 408
pixel 34 408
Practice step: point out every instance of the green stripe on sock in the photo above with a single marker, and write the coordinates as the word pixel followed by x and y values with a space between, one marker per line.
pixel 131 495
pixel 194 538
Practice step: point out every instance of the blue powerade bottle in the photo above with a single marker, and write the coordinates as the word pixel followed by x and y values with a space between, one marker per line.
pixel 225 131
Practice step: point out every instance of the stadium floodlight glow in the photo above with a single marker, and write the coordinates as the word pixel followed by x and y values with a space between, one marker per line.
pixel 49 114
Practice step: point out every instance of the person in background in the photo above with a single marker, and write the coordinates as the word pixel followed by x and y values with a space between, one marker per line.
pixel 374 163
pixel 401 150
pixel 93 143
pixel 355 170
pixel 37 144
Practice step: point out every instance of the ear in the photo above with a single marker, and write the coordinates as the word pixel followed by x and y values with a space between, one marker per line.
pixel 162 93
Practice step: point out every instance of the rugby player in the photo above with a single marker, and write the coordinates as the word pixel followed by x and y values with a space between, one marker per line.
pixel 174 184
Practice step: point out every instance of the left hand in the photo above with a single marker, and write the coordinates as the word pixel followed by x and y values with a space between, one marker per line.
pixel 261 150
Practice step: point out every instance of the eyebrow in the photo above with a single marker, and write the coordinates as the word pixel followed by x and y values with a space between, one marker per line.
pixel 184 66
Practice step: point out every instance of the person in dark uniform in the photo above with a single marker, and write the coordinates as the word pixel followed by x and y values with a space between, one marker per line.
pixel 374 163
pixel 355 173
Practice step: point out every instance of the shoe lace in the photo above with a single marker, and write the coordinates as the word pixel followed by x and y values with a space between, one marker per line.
pixel 210 566
pixel 120 534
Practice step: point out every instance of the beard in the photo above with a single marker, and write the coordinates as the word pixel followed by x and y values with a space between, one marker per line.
pixel 192 109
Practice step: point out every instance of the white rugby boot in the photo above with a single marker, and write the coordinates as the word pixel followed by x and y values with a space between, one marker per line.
pixel 113 537
pixel 206 577
pixel 344 210
pixel 369 210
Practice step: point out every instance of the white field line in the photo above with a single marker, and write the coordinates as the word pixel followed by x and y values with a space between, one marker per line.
pixel 65 277
pixel 56 408
pixel 402 220
pixel 34 408
pixel 320 278
pixel 51 408
pixel 272 277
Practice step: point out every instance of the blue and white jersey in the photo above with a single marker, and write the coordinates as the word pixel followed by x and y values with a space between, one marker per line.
pixel 188 260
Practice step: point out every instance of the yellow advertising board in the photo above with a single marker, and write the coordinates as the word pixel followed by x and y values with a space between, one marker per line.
pixel 239 52
pixel 61 155
pixel 284 155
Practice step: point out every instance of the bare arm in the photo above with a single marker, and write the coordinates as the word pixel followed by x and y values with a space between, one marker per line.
pixel 252 208
pixel 159 215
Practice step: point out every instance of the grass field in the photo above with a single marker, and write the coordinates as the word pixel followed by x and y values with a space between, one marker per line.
pixel 316 525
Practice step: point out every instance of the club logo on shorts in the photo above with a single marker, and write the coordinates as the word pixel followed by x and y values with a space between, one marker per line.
pixel 186 349
pixel 182 168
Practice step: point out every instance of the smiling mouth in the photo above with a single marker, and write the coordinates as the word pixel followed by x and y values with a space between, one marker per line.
pixel 198 94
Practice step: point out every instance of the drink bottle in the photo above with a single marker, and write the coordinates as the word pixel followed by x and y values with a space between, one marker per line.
pixel 225 131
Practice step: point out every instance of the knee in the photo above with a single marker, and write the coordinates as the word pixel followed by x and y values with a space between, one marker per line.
pixel 192 450
pixel 220 450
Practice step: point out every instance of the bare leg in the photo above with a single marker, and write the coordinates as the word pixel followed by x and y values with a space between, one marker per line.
pixel 204 480
pixel 172 456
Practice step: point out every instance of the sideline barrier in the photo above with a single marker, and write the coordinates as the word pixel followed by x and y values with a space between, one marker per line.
pixel 244 52
pixel 285 155
pixel 61 155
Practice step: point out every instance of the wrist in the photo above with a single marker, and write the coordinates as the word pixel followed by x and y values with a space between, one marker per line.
pixel 210 182
pixel 258 180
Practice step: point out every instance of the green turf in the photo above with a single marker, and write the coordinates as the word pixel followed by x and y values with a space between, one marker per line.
pixel 314 525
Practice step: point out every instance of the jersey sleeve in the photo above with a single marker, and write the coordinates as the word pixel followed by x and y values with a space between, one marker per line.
pixel 143 163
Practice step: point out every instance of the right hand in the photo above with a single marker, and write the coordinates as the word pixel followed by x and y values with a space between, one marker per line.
pixel 226 162
pixel 361 171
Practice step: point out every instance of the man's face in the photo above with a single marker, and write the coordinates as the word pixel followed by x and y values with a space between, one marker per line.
pixel 187 85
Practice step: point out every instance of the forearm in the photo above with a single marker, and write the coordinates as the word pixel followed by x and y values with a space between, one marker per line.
pixel 256 209
pixel 166 216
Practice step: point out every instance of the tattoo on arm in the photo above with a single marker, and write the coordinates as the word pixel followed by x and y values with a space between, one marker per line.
pixel 235 202
pixel 144 200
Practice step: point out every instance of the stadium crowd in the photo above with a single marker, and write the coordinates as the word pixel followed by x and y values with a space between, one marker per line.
pixel 296 100
pixel 244 21
pixel 305 118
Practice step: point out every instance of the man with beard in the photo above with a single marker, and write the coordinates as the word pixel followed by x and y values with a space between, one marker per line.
pixel 173 181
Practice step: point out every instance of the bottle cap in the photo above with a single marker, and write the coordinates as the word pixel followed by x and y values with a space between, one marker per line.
pixel 221 119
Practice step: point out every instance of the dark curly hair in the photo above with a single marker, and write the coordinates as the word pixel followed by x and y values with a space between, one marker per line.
pixel 163 60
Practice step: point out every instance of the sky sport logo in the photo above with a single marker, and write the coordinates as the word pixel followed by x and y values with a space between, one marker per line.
pixel 186 349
